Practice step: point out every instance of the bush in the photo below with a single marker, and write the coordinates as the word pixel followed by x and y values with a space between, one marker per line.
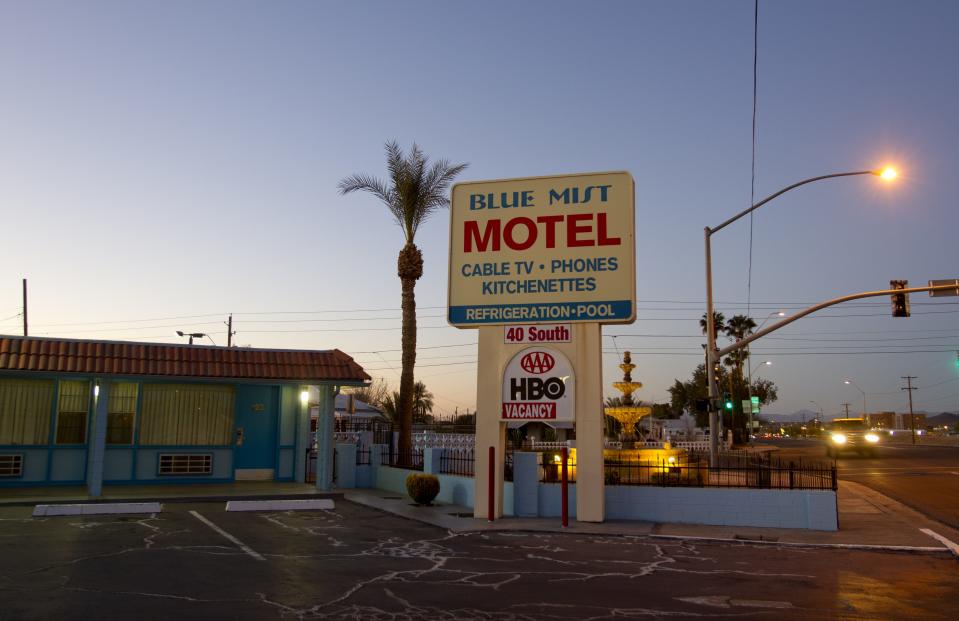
pixel 422 488
pixel 612 477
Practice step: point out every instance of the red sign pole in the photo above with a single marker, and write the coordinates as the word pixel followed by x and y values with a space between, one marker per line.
pixel 491 502
pixel 565 488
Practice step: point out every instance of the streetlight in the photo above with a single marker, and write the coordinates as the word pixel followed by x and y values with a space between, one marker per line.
pixel 852 383
pixel 822 415
pixel 194 335
pixel 749 362
pixel 749 384
pixel 887 173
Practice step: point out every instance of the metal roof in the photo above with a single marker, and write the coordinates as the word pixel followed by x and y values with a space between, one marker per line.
pixel 81 356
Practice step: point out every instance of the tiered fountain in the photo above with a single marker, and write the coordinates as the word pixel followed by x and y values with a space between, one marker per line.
pixel 628 414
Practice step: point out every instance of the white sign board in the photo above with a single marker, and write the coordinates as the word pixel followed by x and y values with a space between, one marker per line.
pixel 538 384
pixel 542 333
pixel 543 250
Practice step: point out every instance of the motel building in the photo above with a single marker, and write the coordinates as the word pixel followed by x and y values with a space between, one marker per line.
pixel 94 413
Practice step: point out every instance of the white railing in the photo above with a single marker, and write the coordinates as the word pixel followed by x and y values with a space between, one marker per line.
pixel 546 446
pixel 346 437
pixel 430 439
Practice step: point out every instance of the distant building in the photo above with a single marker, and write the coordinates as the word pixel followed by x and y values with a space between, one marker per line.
pixel 905 421
pixel 881 420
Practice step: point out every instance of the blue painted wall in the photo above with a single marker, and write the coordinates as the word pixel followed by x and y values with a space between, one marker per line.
pixel 270 436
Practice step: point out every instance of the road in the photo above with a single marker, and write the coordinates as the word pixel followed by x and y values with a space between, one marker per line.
pixel 196 561
pixel 925 478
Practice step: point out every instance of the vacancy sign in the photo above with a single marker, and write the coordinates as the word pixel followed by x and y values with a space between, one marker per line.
pixel 538 384
pixel 543 250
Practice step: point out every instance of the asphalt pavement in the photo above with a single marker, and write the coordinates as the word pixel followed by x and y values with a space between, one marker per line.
pixel 353 562
pixel 925 478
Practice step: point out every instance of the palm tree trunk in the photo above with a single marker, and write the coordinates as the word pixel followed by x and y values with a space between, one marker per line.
pixel 408 362
pixel 409 269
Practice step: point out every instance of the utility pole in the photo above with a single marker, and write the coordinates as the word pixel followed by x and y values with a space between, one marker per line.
pixel 25 307
pixel 846 405
pixel 912 417
pixel 229 331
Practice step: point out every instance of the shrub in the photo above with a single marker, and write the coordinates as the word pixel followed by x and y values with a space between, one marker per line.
pixel 422 488
pixel 612 477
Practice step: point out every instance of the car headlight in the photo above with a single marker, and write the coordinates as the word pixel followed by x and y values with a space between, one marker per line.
pixel 871 437
pixel 838 438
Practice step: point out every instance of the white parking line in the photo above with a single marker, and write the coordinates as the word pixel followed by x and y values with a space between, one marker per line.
pixel 239 543
pixel 953 546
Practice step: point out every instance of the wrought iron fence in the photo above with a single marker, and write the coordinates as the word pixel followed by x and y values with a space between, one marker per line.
pixel 551 467
pixel 311 465
pixel 362 456
pixel 410 460
pixel 747 471
pixel 508 466
pixel 457 462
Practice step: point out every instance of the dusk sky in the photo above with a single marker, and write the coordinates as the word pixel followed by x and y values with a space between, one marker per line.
pixel 165 164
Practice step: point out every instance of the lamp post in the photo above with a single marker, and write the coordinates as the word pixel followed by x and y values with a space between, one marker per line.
pixel 749 366
pixel 194 335
pixel 749 386
pixel 887 173
pixel 852 383
pixel 822 415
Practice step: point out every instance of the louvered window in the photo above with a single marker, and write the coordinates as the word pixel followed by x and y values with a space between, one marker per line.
pixel 11 465
pixel 180 464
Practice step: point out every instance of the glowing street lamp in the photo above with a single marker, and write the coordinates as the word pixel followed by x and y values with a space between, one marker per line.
pixel 852 383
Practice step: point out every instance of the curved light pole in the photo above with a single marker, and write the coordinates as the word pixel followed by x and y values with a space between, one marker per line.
pixel 887 173
pixel 749 384
pixel 749 365
pixel 852 383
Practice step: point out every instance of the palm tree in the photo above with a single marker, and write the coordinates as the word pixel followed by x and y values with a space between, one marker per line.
pixel 737 328
pixel 719 323
pixel 414 192
pixel 389 406
pixel 422 403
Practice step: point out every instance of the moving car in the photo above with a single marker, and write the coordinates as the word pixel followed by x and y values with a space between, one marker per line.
pixel 850 435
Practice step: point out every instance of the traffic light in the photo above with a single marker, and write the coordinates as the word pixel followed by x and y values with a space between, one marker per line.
pixel 900 301
pixel 727 401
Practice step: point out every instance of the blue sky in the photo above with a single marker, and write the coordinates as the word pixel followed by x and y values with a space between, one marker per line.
pixel 165 164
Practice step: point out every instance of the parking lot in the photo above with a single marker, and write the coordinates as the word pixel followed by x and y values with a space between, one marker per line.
pixel 197 561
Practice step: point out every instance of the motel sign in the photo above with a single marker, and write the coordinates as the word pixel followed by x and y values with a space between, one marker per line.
pixel 543 249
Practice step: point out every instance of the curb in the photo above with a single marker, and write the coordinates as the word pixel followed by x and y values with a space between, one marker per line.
pixel 299 504
pixel 103 508
pixel 927 550
pixel 799 544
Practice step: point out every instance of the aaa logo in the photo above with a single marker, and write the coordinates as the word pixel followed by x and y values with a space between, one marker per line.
pixel 537 362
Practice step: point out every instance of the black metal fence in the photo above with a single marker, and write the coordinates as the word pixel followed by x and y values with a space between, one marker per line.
pixel 410 460
pixel 734 470
pixel 362 456
pixel 551 468
pixel 382 430
pixel 457 462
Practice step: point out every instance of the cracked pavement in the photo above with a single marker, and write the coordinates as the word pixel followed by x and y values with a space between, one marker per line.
pixel 357 563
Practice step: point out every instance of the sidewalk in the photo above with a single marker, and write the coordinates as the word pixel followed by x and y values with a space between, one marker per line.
pixel 867 519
